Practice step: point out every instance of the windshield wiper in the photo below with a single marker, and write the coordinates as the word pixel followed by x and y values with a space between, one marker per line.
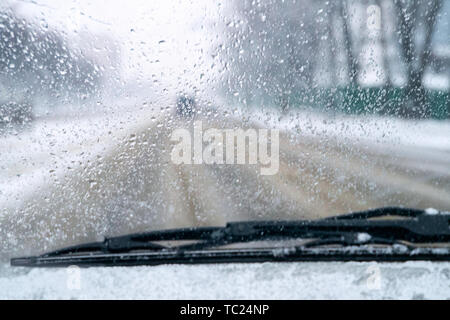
pixel 413 235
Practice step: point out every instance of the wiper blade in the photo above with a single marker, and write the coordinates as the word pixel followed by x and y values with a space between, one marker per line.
pixel 139 241
pixel 357 231
pixel 382 212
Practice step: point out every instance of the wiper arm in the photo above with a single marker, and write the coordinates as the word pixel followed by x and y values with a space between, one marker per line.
pixel 351 229
pixel 381 212
pixel 355 229
pixel 139 241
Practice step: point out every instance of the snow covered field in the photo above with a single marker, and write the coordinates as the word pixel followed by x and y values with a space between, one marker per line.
pixel 56 144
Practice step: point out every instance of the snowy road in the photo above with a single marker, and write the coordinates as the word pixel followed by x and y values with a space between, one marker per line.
pixel 66 182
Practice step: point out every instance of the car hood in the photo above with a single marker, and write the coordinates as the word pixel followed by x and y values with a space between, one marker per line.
pixel 315 280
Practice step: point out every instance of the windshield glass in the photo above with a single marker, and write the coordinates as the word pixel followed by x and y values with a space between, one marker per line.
pixel 120 117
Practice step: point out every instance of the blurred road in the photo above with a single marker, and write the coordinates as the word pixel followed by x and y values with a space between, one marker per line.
pixel 114 182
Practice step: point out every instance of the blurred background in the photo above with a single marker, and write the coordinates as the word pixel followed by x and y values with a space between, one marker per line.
pixel 378 57
pixel 388 57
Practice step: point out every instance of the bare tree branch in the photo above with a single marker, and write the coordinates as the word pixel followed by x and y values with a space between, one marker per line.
pixel 351 60
pixel 430 21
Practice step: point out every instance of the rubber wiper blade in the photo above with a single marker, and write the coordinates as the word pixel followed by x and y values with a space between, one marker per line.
pixel 138 241
pixel 415 226
pixel 381 212
pixel 354 229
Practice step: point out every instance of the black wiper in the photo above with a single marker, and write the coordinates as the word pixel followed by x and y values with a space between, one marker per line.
pixel 413 235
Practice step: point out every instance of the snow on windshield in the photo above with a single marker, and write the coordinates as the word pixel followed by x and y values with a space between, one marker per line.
pixel 123 117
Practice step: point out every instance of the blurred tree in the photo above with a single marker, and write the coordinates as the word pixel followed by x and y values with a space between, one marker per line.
pixel 411 15
pixel 325 53
pixel 271 50
pixel 353 67
pixel 34 62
